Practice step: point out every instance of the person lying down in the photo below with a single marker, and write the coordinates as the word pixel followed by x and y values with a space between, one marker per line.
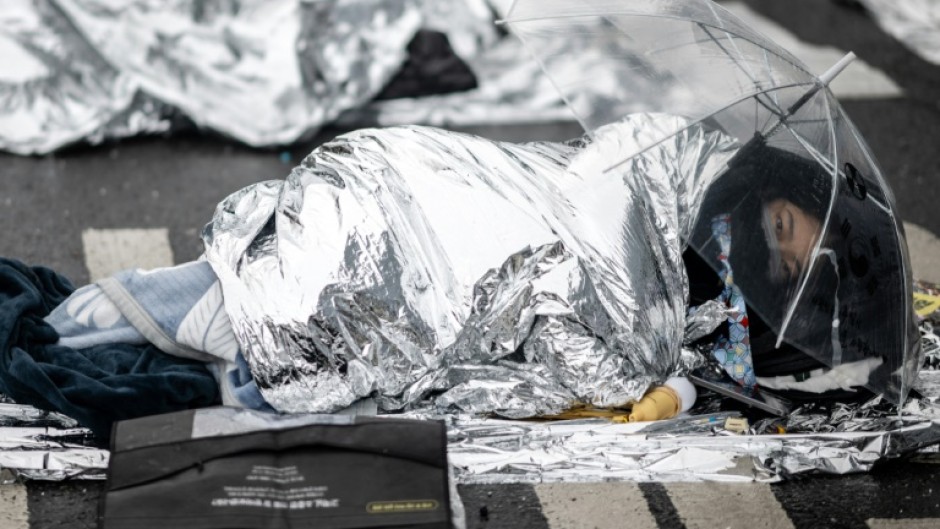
pixel 419 269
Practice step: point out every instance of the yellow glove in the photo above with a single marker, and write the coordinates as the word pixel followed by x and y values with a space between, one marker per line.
pixel 661 402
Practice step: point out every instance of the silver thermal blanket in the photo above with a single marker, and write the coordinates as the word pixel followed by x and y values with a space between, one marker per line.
pixel 432 269
pixel 849 438
pixel 916 23
pixel 264 72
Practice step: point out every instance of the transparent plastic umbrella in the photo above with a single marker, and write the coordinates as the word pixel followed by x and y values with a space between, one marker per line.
pixel 816 248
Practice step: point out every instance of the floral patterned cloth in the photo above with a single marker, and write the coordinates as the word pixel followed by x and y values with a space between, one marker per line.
pixel 733 351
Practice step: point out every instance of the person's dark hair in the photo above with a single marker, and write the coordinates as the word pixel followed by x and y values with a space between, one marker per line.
pixel 859 288
pixel 756 176
pixel 783 174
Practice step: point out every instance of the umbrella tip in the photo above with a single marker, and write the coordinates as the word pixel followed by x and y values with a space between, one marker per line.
pixel 836 69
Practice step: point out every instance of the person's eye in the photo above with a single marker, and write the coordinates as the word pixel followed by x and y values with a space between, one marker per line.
pixel 778 224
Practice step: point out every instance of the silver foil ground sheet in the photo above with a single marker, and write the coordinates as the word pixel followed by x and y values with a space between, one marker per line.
pixel 39 445
pixel 424 267
pixel 264 72
pixel 270 72
pixel 845 439
pixel 36 444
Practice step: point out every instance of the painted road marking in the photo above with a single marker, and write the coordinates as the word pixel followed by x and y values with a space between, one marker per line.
pixel 598 505
pixel 728 505
pixel 859 81
pixel 902 523
pixel 924 249
pixel 110 251
pixel 13 507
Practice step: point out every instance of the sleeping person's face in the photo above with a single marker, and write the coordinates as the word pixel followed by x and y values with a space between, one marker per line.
pixel 794 232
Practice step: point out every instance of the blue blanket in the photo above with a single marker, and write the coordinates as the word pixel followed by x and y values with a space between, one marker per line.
pixel 95 385
pixel 178 309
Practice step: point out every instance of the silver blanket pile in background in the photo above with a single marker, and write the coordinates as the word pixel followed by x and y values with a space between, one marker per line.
pixel 850 438
pixel 916 23
pixel 271 72
pixel 264 72
pixel 516 279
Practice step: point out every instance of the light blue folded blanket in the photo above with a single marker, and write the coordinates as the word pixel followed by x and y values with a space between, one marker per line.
pixel 178 309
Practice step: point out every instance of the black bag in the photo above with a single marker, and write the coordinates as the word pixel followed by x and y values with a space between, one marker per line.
pixel 230 468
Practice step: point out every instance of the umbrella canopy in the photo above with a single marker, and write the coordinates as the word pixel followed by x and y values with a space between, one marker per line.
pixel 816 246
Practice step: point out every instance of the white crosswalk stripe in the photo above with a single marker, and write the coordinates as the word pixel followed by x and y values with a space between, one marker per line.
pixel 13 507
pixel 110 251
pixel 606 505
pixel 728 505
pixel 924 249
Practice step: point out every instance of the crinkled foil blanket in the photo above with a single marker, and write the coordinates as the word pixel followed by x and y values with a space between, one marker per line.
pixel 844 438
pixel 271 72
pixel 413 264
pixel 848 438
pixel 916 23
pixel 264 72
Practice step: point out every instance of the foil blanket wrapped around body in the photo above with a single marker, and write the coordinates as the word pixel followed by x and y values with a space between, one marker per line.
pixel 420 266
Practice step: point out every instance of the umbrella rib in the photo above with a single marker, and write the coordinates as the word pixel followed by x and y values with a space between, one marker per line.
pixel 747 71
pixel 806 144
pixel 771 106
pixel 712 113
pixel 833 169
pixel 764 47
pixel 769 69
pixel 712 39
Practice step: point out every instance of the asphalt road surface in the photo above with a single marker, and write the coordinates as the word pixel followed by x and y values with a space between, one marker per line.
pixel 89 211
